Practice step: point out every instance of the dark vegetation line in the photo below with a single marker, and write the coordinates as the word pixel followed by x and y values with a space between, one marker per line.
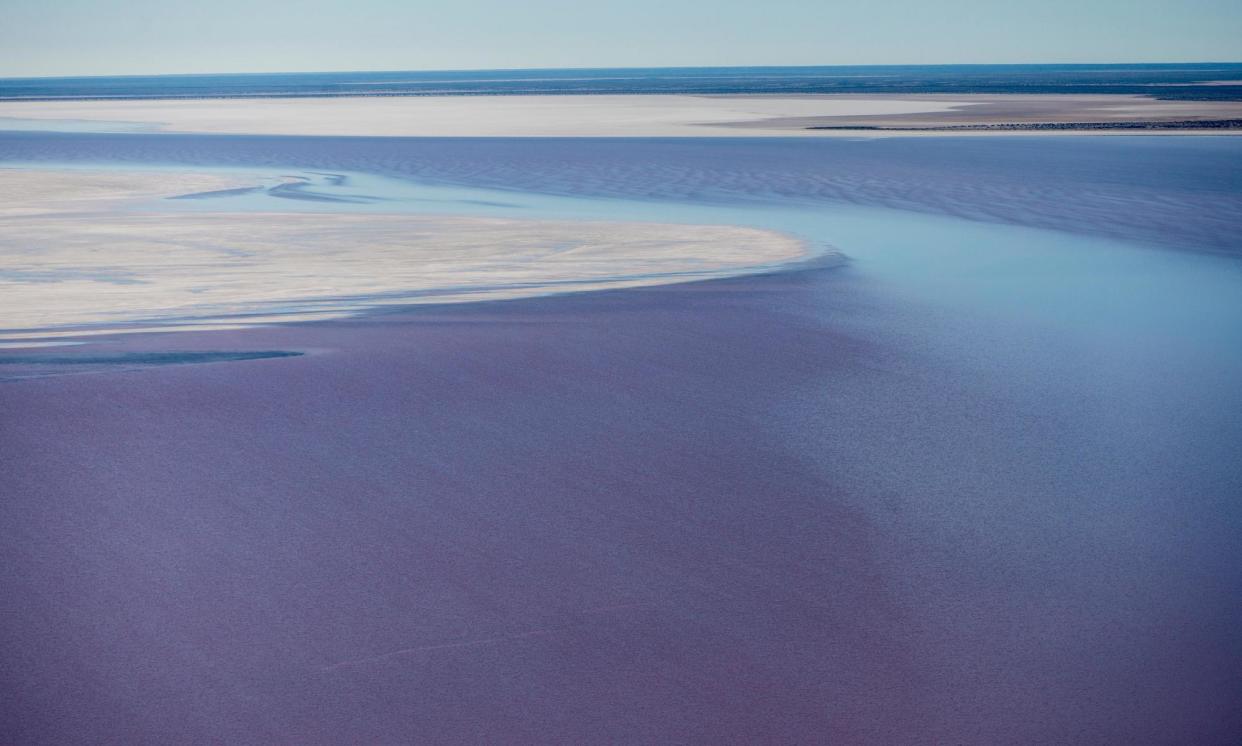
pixel 1185 124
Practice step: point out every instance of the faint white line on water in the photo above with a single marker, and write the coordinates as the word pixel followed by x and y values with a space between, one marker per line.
pixel 615 607
pixel 472 643
pixel 442 646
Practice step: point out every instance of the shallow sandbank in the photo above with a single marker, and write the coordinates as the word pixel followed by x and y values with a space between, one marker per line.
pixel 79 252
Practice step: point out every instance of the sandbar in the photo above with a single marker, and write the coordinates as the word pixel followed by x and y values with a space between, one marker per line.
pixel 79 250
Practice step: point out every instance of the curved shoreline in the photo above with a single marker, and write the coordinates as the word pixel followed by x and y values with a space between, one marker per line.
pixel 104 261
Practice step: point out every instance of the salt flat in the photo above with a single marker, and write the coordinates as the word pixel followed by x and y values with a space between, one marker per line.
pixel 78 248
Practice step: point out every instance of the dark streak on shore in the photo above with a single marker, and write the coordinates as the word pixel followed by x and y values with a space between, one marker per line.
pixel 1184 124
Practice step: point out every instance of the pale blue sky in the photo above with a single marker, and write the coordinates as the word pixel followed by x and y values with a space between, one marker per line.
pixel 100 37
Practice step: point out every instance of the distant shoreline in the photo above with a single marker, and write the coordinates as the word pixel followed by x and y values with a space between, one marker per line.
pixel 629 115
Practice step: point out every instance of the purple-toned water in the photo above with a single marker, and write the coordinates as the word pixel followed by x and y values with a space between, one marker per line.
pixel 978 486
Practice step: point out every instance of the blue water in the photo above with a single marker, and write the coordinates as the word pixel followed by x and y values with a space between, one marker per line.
pixel 1172 81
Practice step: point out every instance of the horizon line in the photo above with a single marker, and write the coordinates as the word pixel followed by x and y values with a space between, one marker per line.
pixel 1183 63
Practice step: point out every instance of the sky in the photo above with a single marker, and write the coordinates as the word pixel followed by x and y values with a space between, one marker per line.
pixel 119 37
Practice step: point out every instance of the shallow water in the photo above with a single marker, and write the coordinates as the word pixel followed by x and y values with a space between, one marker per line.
pixel 979 485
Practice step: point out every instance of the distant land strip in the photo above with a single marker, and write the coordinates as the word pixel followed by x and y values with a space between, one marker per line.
pixel 1184 124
